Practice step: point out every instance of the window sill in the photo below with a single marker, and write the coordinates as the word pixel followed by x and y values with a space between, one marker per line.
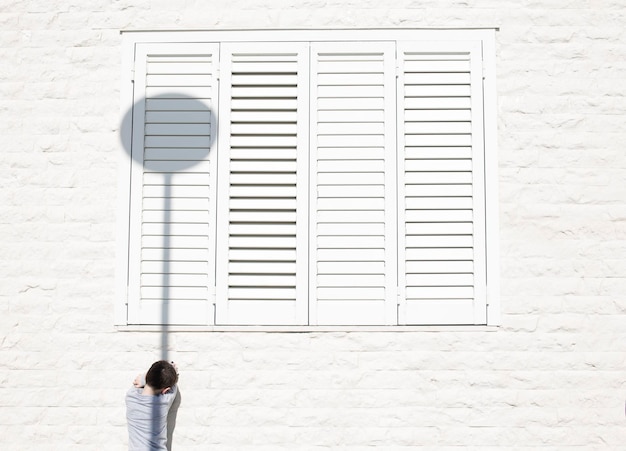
pixel 306 329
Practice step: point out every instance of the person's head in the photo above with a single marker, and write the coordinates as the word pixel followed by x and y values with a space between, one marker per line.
pixel 161 376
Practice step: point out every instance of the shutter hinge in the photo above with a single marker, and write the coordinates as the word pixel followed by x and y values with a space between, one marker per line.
pixel 484 72
pixel 398 71
pixel 213 301
pixel 217 73
pixel 132 75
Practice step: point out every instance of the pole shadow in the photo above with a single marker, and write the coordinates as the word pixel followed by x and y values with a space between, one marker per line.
pixel 168 138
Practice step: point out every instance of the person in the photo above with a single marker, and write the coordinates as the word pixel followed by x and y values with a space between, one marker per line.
pixel 151 407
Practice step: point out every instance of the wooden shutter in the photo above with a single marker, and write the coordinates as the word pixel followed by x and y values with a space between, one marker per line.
pixel 262 259
pixel 353 184
pixel 441 191
pixel 173 184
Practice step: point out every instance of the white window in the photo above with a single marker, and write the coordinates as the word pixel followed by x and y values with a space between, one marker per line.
pixel 308 178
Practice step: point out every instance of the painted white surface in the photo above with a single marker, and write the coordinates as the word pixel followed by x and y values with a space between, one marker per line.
pixel 361 159
pixel 551 377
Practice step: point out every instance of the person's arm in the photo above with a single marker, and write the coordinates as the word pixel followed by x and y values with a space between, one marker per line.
pixel 140 381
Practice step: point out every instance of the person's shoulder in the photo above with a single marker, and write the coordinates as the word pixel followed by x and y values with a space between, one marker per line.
pixel 133 393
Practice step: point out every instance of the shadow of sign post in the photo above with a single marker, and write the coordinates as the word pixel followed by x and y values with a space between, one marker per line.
pixel 171 138
pixel 168 137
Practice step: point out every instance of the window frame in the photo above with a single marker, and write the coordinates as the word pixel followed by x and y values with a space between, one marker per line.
pixel 485 36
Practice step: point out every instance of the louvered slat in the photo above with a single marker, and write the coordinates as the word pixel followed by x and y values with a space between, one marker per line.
pixel 331 211
pixel 441 165
pixel 262 128
pixel 352 148
pixel 173 132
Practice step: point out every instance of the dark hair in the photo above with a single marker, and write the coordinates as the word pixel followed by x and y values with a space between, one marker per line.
pixel 161 374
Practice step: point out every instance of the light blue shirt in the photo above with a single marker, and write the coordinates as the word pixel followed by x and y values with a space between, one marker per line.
pixel 147 418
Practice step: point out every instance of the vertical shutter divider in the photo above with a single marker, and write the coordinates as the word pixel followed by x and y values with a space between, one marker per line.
pixel 303 194
pixel 223 171
pixel 478 183
pixel 391 182
pixel 312 235
pixel 136 193
pixel 400 190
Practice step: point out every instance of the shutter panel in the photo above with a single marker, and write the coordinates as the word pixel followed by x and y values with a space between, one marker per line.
pixel 262 242
pixel 353 184
pixel 173 184
pixel 441 192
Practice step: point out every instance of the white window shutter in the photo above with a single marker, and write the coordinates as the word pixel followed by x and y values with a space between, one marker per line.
pixel 441 186
pixel 352 239
pixel 172 225
pixel 262 228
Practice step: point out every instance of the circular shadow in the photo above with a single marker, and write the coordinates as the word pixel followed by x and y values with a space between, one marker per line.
pixel 177 129
pixel 178 133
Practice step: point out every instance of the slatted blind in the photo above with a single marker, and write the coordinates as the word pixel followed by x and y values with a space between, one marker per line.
pixel 263 255
pixel 343 185
pixel 353 184
pixel 174 173
pixel 442 183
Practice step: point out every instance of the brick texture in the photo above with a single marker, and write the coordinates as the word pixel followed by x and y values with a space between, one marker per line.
pixel 551 377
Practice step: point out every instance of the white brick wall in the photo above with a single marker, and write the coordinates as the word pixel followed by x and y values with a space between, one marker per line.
pixel 551 377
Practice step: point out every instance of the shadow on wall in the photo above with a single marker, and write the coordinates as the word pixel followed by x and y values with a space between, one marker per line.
pixel 169 136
